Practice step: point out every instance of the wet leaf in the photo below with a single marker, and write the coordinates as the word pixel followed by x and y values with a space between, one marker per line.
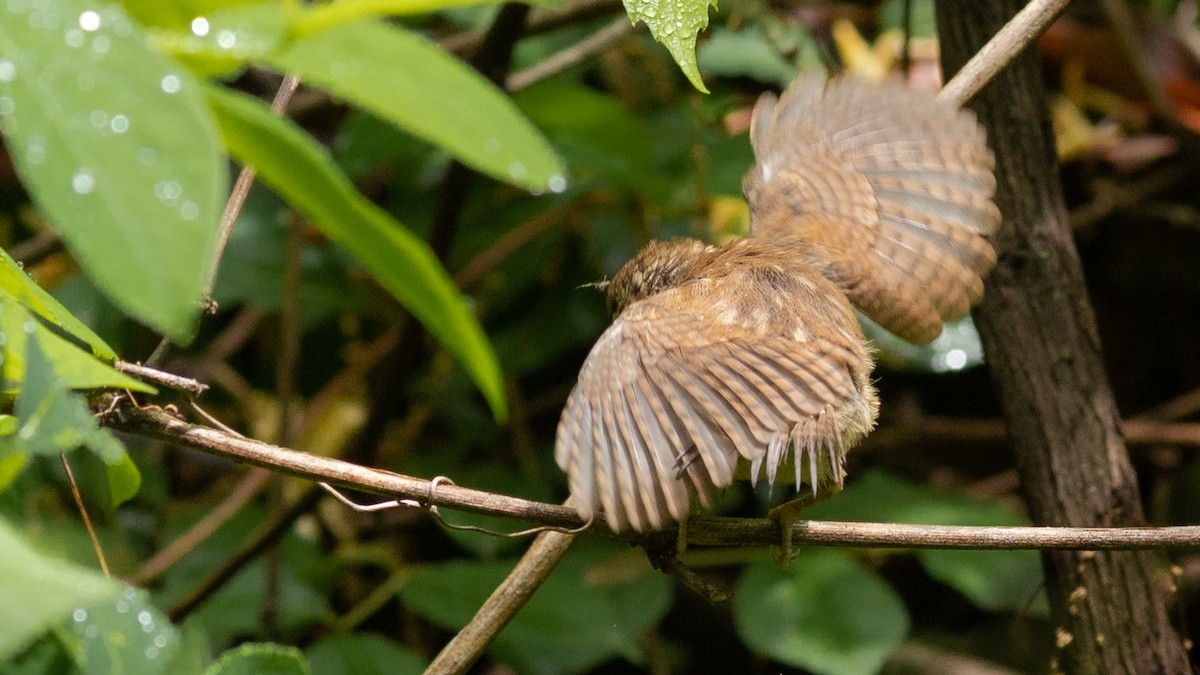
pixel 675 23
pixel 435 96
pixel 46 589
pixel 95 122
pixel 295 167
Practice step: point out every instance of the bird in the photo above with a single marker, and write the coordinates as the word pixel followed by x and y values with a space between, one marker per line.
pixel 747 360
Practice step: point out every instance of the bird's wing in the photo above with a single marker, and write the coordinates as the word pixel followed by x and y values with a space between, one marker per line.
pixel 888 191
pixel 666 406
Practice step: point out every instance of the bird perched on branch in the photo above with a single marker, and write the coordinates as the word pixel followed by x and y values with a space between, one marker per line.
pixel 747 360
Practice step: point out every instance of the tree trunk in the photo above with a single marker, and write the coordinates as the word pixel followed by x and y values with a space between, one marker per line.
pixel 1040 337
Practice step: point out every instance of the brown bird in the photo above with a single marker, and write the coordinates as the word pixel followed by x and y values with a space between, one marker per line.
pixel 747 359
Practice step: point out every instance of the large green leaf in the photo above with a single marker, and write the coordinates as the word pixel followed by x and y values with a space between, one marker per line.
pixel 826 614
pixel 411 82
pixel 77 368
pixel 302 173
pixel 15 282
pixel 53 419
pixel 570 623
pixel 125 634
pixel 260 659
pixel 992 580
pixel 39 591
pixel 675 23
pixel 323 17
pixel 363 654
pixel 115 145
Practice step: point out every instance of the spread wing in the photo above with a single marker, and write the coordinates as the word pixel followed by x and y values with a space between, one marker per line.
pixel 888 191
pixel 663 411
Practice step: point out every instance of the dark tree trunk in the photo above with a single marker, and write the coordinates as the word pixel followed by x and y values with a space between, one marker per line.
pixel 1040 337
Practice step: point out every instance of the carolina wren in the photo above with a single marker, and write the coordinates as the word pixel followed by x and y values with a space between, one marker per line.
pixel 750 353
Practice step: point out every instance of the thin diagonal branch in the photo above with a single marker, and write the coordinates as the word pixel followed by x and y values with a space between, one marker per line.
pixel 1004 46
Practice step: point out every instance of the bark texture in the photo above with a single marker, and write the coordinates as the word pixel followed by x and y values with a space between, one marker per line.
pixel 1040 337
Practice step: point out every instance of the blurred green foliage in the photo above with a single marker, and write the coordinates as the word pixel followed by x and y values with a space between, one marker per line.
pixel 587 165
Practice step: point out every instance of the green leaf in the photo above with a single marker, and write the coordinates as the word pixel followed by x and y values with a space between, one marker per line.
pixel 675 23
pixel 219 41
pixel 295 167
pixel 570 624
pixel 179 14
pixel 39 591
pixel 992 580
pixel 745 53
pixel 260 659
pixel 826 614
pixel 124 478
pixel 115 146
pixel 125 634
pixel 15 282
pixel 363 654
pixel 53 420
pixel 323 17
pixel 593 131
pixel 77 368
pixel 12 462
pixel 433 95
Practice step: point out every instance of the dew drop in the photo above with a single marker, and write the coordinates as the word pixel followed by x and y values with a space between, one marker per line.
pixel 119 124
pixel 98 119
pixel 189 211
pixel 167 190
pixel 151 653
pixel 557 184
pixel 73 37
pixel 79 615
pixel 35 149
pixel 651 12
pixel 89 20
pixel 28 326
pixel 199 26
pixel 8 70
pixel 160 640
pixel 100 45
pixel 226 39
pixel 6 105
pixel 517 170
pixel 83 182
pixel 171 84
pixel 121 607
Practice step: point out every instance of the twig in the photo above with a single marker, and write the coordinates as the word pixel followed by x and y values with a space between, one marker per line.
pixel 570 56
pixel 245 554
pixel 509 243
pixel 233 209
pixel 1140 432
pixel 540 21
pixel 83 512
pixel 702 530
pixel 1024 27
pixel 1125 28
pixel 39 247
pixel 508 598
pixel 251 483
pixel 162 378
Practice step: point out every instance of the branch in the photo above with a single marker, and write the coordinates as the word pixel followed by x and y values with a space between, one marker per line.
pixel 1009 41
pixel 509 597
pixel 701 530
